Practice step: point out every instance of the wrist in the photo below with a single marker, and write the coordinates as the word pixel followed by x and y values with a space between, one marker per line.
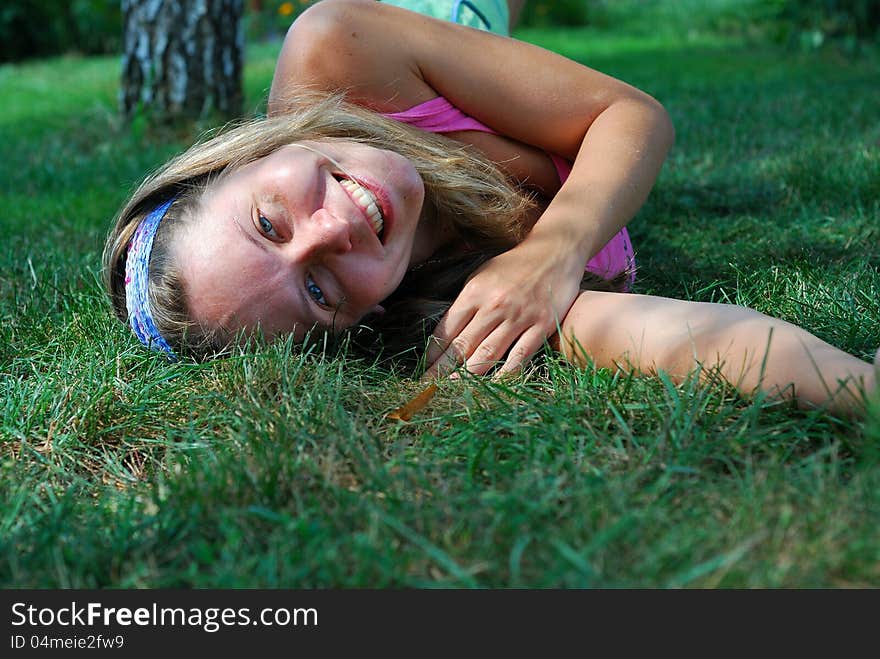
pixel 569 248
pixel 571 229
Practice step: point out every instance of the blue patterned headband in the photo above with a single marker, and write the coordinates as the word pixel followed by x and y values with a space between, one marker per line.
pixel 137 275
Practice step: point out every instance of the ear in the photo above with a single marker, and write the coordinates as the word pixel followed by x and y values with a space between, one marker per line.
pixel 378 310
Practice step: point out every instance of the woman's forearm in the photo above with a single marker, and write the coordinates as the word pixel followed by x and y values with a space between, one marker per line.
pixel 614 170
pixel 750 350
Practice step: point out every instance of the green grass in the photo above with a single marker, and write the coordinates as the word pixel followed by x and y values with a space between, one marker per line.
pixel 277 468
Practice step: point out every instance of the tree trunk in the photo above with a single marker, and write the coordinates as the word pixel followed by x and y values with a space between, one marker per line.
pixel 182 58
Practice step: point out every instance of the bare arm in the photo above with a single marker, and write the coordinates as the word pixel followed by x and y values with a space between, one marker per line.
pixel 750 350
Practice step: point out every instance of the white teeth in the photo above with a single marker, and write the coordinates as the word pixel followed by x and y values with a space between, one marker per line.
pixel 366 201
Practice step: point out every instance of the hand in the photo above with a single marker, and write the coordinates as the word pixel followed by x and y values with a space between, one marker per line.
pixel 513 302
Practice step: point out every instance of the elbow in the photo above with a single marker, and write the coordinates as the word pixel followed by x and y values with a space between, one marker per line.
pixel 661 123
pixel 654 117
pixel 648 118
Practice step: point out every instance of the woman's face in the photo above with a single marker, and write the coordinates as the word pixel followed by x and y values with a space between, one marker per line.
pixel 290 241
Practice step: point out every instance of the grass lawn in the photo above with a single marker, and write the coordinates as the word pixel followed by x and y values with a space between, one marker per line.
pixel 277 468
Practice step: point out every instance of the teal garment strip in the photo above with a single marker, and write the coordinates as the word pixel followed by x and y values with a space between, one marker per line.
pixel 488 15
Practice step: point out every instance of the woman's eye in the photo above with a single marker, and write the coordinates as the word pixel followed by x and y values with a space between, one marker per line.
pixel 266 226
pixel 315 291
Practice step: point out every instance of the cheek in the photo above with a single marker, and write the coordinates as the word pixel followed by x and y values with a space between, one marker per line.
pixel 412 183
pixel 370 285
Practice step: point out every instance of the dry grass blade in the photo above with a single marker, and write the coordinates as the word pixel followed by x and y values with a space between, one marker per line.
pixel 414 405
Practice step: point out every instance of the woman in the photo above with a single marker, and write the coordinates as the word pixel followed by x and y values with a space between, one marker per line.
pixel 332 213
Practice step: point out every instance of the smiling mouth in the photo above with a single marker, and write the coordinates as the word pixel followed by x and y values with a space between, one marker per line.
pixel 367 202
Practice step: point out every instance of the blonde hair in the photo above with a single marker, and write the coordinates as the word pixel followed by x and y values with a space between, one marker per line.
pixel 463 189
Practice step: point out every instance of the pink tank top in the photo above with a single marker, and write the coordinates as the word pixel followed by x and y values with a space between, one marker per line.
pixel 440 116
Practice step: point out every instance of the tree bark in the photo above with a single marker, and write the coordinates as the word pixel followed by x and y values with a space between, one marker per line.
pixel 182 58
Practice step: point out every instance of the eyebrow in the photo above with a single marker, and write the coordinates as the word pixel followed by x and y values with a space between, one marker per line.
pixel 248 235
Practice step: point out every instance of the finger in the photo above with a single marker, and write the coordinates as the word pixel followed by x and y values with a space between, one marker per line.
pixel 445 364
pixel 462 347
pixel 491 350
pixel 451 325
pixel 522 351
pixel 457 353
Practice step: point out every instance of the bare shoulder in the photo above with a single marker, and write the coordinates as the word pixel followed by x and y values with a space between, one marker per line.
pixel 354 46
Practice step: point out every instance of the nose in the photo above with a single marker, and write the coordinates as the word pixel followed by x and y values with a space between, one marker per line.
pixel 322 234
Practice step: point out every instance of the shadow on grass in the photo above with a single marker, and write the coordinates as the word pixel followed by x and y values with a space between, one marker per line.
pixel 690 234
